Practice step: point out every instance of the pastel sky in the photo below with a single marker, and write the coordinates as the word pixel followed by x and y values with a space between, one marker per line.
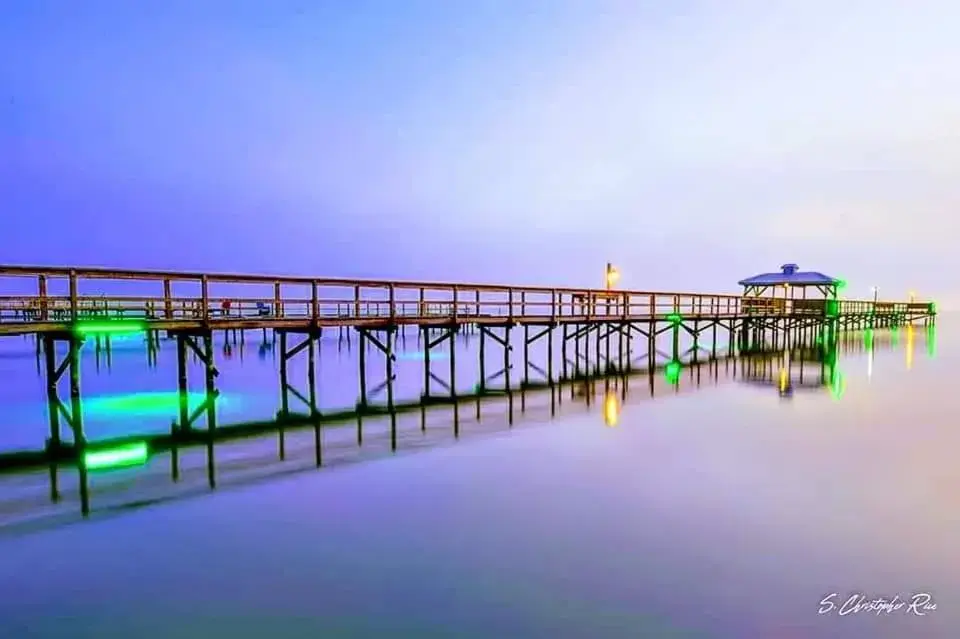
pixel 522 141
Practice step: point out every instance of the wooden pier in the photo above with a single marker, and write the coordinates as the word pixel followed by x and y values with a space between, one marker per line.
pixel 616 330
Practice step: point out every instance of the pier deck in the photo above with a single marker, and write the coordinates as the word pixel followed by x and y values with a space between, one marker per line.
pixel 50 300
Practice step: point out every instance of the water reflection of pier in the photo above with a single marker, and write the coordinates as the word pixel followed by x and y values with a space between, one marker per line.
pixel 359 434
pixel 815 367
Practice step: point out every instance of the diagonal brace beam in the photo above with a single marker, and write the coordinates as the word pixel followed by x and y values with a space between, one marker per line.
pixel 376 342
pixel 497 338
pixel 199 352
pixel 291 352
pixel 447 335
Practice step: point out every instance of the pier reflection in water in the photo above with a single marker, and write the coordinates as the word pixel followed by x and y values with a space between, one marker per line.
pixel 351 436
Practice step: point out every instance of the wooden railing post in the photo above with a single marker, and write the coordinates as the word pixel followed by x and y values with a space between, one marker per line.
pixel 74 297
pixel 653 306
pixel 455 303
pixel 42 287
pixel 510 305
pixel 393 301
pixel 205 297
pixel 315 300
pixel 167 299
pixel 553 306
pixel 277 304
pixel 626 305
pixel 356 301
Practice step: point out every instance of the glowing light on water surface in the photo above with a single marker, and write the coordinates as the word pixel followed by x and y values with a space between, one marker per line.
pixel 611 409
pixel 143 404
pixel 109 327
pixel 124 338
pixel 784 381
pixel 931 341
pixel 135 454
pixel 838 384
pixel 672 371
pixel 420 356
pixel 910 345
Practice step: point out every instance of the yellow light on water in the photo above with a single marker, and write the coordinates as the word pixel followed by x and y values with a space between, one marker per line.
pixel 611 409
pixel 784 380
pixel 910 345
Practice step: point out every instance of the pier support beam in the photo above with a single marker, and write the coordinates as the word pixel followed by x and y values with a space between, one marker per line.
pixel 386 346
pixel 309 343
pixel 384 339
pixel 483 387
pixel 201 344
pixel 529 339
pixel 73 416
pixel 580 336
pixel 488 332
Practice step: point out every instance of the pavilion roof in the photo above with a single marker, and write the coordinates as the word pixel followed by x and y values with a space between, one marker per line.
pixel 790 274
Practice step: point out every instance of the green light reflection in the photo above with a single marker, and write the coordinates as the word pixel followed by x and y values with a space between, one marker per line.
pixel 146 404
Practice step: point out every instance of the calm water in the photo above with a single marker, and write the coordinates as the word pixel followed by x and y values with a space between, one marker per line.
pixel 722 511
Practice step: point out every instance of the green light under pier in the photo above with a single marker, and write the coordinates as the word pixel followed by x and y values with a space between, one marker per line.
pixel 109 327
pixel 838 384
pixel 672 371
pixel 676 318
pixel 124 456
pixel 145 404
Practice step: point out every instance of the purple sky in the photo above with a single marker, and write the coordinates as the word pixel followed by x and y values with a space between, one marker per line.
pixel 519 141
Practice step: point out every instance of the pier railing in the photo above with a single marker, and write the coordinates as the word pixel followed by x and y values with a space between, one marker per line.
pixel 37 295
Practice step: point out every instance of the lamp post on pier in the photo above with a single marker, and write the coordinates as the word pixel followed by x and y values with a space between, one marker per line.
pixel 612 276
